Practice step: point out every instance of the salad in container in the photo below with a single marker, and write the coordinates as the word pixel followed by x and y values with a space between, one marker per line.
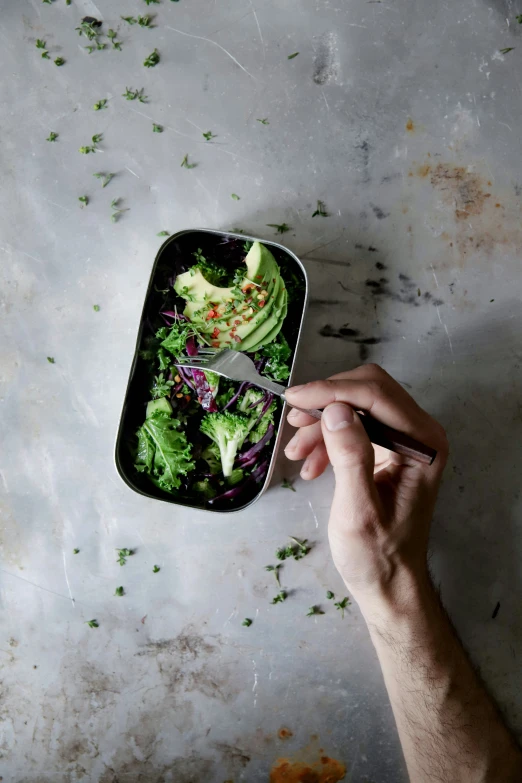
pixel 189 436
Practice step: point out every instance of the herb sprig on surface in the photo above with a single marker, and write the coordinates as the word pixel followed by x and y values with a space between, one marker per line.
pixel 247 622
pixel 105 178
pixel 152 60
pixel 101 104
pixel 119 591
pixel 314 610
pixel 52 136
pixel 287 484
pixel 208 135
pixel 133 95
pixel 186 165
pixel 279 598
pixel 92 623
pixel 321 210
pixel 298 549
pixel 118 211
pixel 275 571
pixel 281 228
pixel 123 554
pixel 341 605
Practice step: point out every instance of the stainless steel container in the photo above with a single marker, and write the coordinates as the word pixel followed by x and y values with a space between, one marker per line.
pixel 136 394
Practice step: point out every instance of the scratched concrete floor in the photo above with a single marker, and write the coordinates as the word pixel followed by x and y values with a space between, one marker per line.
pixel 404 117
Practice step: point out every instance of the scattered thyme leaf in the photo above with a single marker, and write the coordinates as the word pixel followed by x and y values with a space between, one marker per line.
pixel 247 622
pixel 47 2
pixel 341 605
pixel 84 200
pixel 149 2
pixel 264 121
pixel 88 29
pixel 129 19
pixel 123 554
pixel 287 484
pixel 97 138
pixel 96 308
pixel 92 623
pixel 291 56
pixel 281 228
pixel 198 255
pixel 234 196
pixel 314 610
pixel 86 150
pixel 40 44
pixel 45 55
pixel 321 210
pixel 506 50
pixel 157 128
pixel 111 34
pixel 152 60
pixel 106 178
pixel 132 95
pixel 50 359
pixel 185 163
pixel 145 21
pixel 59 61
pixel 275 570
pixel 156 569
pixel 329 595
pixel 209 135
pixel 163 234
pixel 119 591
pixel 519 18
pixel 279 598
pixel 101 104
pixel 76 551
pixel 52 136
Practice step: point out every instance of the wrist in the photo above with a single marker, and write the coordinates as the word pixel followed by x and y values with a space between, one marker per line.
pixel 401 597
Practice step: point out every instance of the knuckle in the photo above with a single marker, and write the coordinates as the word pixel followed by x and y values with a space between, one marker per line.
pixel 347 457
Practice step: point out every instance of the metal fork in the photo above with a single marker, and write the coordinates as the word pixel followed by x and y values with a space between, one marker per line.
pixel 236 366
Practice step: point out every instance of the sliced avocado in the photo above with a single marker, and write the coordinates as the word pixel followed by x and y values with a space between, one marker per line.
pixel 271 325
pixel 192 285
pixel 158 406
pixel 271 336
pixel 246 328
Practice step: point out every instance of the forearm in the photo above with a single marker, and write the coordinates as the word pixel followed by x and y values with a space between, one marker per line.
pixel 449 727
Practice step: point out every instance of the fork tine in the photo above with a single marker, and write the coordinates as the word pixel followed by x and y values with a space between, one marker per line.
pixel 193 360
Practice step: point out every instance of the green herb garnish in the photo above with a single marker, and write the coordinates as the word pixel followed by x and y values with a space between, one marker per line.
pixel 101 104
pixel 105 178
pixel 281 228
pixel 287 484
pixel 163 234
pixel 96 308
pixel 341 605
pixel 40 44
pixel 234 196
pixel 279 598
pixel 275 570
pixel 156 569
pixel 519 18
pixel 117 209
pixel 52 136
pixel 149 2
pixel 145 21
pixel 50 359
pixel 321 210
pixel 329 595
pixel 129 19
pixel 88 30
pixel 152 60
pixel 111 34
pixel 97 138
pixel 83 200
pixel 45 55
pixel 119 591
pixel 209 135
pixel 314 610
pixel 198 255
pixel 185 164
pixel 506 50
pixel 247 622
pixel 291 56
pixel 123 554
pixel 59 61
pixel 157 128
pixel 92 623
pixel 76 551
pixel 264 121
pixel 132 95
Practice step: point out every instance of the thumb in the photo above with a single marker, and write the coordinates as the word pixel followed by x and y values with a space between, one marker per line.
pixel 353 460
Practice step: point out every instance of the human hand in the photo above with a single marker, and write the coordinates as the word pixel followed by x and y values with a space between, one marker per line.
pixel 383 502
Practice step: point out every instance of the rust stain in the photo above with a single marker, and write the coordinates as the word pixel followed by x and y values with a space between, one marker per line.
pixel 325 770
pixel 463 188
pixel 410 127
pixel 284 733
pixel 424 170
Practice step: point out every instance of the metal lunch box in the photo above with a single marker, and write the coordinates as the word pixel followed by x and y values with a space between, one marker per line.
pixel 137 393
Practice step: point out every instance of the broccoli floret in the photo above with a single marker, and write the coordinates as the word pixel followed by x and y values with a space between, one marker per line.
pixel 211 457
pixel 261 428
pixel 229 431
pixel 251 396
pixel 236 477
pixel 204 488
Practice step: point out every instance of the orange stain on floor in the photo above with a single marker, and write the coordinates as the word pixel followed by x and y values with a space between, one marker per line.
pixel 285 733
pixel 410 127
pixel 326 770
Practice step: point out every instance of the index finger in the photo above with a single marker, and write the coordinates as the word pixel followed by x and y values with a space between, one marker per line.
pixel 371 389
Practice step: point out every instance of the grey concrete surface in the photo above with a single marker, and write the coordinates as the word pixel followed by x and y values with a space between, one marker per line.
pixel 404 117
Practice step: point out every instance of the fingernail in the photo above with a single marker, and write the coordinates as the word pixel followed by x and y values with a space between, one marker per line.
pixel 305 470
pixel 337 416
pixel 293 389
pixel 292 444
pixel 293 414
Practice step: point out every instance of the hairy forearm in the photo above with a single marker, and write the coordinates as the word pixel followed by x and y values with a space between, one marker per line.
pixel 449 727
